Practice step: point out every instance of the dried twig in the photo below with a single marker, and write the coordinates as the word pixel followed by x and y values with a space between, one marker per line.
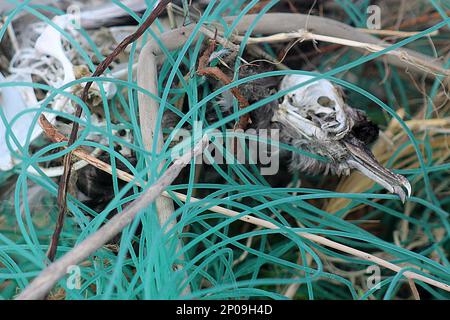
pixel 394 33
pixel 215 72
pixel 414 290
pixel 292 289
pixel 304 35
pixel 64 181
pixel 226 43
pixel 257 51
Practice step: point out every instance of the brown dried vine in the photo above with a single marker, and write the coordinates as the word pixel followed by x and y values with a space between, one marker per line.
pixel 214 72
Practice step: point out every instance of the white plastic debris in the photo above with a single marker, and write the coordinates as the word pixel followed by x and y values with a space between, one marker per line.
pixel 14 100
pixel 37 61
pixel 48 61
pixel 50 43
pixel 96 17
pixel 47 58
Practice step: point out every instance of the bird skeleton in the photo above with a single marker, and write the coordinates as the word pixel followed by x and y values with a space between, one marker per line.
pixel 316 119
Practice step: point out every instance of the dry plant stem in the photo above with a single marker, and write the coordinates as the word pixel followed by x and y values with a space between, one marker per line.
pixel 414 290
pixel 224 42
pixel 171 16
pixel 216 73
pixel 395 33
pixel 257 51
pixel 64 181
pixel 45 281
pixel 304 35
pixel 56 136
pixel 53 134
pixel 292 289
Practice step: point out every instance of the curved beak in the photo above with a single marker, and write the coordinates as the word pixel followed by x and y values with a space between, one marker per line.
pixel 363 160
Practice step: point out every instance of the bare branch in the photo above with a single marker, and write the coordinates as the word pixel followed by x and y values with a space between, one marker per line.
pixel 304 35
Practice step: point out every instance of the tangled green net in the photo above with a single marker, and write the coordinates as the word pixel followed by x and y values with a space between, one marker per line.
pixel 222 257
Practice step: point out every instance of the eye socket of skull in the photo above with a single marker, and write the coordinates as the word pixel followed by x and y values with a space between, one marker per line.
pixel 291 100
pixel 325 101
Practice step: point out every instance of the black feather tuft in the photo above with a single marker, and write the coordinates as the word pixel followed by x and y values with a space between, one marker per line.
pixel 366 131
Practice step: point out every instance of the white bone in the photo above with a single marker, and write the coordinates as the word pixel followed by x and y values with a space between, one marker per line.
pixel 39 61
pixel 305 100
pixel 50 43
pixel 14 100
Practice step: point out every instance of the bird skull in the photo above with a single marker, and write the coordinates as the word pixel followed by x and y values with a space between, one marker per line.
pixel 316 108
